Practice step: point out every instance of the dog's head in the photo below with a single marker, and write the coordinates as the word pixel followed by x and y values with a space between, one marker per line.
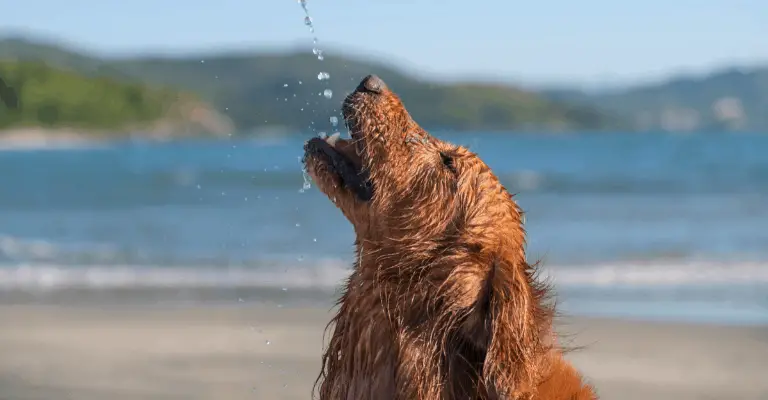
pixel 396 183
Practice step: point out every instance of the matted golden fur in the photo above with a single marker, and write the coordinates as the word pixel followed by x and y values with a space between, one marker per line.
pixel 442 303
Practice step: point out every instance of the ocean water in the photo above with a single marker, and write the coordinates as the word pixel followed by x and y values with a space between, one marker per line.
pixel 638 226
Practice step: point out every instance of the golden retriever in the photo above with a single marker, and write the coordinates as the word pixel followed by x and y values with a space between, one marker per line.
pixel 442 303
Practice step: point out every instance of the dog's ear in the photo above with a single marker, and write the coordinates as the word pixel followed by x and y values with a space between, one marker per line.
pixel 510 322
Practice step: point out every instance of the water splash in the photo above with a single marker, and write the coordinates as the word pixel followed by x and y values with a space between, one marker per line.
pixel 307 181
pixel 318 52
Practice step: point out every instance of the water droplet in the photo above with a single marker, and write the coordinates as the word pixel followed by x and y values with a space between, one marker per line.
pixel 285 289
pixel 202 61
pixel 240 299
pixel 308 21
pixel 334 120
pixel 298 225
pixel 307 183
pixel 300 259
pixel 314 239
pixel 198 186
pixel 285 85
pixel 328 93
pixel 323 76
pixel 268 342
pixel 322 135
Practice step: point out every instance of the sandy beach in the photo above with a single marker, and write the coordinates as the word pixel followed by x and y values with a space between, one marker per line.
pixel 259 352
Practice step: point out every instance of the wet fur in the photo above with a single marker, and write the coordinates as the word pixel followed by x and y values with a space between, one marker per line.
pixel 442 303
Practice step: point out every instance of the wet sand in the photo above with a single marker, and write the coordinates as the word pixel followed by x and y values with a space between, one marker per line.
pixel 259 352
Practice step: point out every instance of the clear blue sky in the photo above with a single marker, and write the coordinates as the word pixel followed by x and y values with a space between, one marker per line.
pixel 529 41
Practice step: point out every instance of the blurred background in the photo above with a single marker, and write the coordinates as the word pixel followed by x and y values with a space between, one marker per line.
pixel 159 240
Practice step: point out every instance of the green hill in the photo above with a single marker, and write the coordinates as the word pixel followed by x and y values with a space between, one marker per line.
pixel 50 97
pixel 282 89
pixel 46 86
pixel 726 100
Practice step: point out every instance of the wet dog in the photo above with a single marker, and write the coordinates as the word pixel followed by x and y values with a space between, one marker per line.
pixel 442 303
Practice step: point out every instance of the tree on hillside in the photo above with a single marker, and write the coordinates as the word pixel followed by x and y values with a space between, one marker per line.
pixel 8 96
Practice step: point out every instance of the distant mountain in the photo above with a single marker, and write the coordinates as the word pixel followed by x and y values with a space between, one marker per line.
pixel 35 94
pixel 283 89
pixel 727 100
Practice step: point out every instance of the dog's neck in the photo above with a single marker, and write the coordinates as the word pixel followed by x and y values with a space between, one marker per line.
pixel 456 282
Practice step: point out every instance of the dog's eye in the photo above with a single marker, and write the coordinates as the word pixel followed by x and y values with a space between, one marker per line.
pixel 448 161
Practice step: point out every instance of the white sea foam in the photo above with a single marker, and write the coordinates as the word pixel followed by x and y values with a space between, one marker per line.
pixel 324 274
pixel 329 274
pixel 660 273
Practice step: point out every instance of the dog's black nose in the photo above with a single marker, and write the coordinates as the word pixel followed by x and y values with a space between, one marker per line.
pixel 373 84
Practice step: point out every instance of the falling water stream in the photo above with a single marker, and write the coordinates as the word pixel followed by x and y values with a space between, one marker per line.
pixel 321 76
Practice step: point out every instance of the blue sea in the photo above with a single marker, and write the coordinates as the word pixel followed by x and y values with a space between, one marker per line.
pixel 653 226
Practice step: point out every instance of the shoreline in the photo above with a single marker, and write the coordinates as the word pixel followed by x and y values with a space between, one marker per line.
pixel 42 138
pixel 93 352
pixel 33 138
